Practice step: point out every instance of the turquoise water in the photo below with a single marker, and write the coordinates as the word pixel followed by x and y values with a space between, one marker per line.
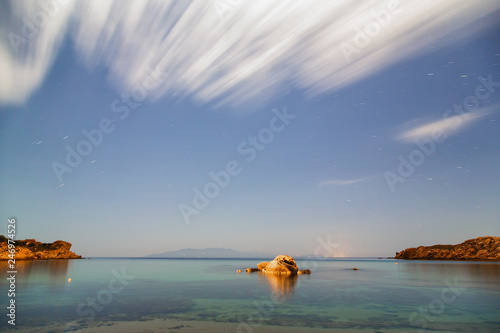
pixel 382 296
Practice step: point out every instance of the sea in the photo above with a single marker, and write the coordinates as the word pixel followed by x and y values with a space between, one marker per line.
pixel 208 295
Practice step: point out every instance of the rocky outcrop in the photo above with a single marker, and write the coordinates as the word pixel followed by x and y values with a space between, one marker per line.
pixel 481 248
pixel 30 249
pixel 262 265
pixel 282 264
pixel 250 270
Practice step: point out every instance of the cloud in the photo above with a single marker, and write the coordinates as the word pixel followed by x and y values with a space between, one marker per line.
pixel 30 38
pixel 447 126
pixel 228 53
pixel 343 182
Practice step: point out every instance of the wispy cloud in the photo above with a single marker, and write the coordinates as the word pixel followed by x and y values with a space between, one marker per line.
pixel 248 53
pixel 27 50
pixel 445 126
pixel 343 182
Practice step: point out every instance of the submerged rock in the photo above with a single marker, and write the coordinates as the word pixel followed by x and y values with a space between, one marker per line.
pixel 304 271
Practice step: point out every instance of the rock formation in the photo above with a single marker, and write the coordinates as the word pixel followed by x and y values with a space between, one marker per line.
pixel 282 264
pixel 250 270
pixel 30 249
pixel 304 271
pixel 262 265
pixel 481 248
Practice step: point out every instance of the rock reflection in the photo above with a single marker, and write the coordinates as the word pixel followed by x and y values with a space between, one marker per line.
pixel 485 274
pixel 47 268
pixel 52 273
pixel 282 285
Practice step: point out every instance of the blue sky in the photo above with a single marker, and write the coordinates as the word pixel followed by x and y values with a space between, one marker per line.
pixel 311 144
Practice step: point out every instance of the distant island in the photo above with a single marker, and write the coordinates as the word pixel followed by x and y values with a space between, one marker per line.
pixel 209 253
pixel 30 249
pixel 481 248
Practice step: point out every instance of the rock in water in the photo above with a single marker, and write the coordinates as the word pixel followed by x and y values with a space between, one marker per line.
pixel 262 265
pixel 282 264
pixel 481 248
pixel 251 270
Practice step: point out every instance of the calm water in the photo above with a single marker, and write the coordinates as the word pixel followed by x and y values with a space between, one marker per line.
pixel 381 296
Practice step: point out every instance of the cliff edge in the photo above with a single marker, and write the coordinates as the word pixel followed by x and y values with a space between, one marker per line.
pixel 481 248
pixel 30 249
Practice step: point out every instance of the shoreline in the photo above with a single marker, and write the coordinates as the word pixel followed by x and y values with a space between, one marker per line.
pixel 167 325
pixel 42 259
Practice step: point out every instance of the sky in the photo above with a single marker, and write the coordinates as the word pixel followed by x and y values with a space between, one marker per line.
pixel 332 128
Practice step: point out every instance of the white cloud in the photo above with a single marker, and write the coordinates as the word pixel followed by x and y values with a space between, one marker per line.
pixel 343 182
pixel 229 52
pixel 31 37
pixel 447 126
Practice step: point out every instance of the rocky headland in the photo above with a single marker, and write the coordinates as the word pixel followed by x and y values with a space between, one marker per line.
pixel 30 249
pixel 480 249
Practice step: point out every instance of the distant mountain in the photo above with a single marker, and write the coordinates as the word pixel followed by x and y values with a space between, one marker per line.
pixel 209 253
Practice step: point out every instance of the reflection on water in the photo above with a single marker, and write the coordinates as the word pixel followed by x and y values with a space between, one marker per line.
pixel 380 295
pixel 39 268
pixel 45 272
pixel 282 286
pixel 483 274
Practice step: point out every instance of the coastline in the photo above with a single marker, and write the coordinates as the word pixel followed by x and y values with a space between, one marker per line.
pixel 476 249
pixel 42 259
pixel 31 249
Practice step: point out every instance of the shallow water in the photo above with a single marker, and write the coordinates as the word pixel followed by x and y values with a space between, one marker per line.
pixel 381 296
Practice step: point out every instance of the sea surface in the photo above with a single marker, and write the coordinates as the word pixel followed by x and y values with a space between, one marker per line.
pixel 208 295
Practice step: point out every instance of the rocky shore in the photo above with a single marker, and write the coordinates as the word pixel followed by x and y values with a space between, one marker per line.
pixel 480 249
pixel 30 249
